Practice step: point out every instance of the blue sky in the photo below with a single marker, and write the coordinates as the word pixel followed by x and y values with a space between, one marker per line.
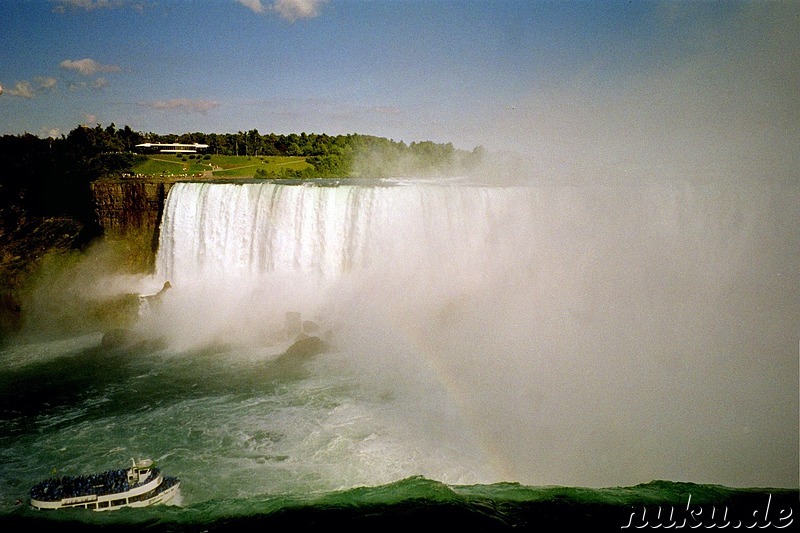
pixel 619 83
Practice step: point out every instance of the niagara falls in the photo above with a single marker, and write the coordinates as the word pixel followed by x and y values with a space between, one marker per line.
pixel 471 334
pixel 322 265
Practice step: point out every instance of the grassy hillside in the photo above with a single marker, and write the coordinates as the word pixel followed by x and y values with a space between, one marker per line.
pixel 156 165
pixel 229 166
pixel 222 166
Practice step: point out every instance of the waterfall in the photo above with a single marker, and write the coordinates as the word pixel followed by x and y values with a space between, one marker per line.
pixel 326 232
pixel 575 250
pixel 562 323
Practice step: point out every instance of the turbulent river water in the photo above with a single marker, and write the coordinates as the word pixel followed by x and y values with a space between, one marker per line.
pixel 383 353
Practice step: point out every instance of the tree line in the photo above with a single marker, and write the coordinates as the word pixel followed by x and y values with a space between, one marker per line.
pixel 41 178
pixel 337 156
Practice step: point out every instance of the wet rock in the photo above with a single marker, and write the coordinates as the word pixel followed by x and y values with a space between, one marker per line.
pixel 306 346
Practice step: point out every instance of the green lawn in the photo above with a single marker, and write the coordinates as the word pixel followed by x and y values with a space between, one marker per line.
pixel 223 166
pixel 240 166
pixel 170 165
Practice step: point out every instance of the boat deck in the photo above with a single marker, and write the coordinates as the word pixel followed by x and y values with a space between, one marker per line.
pixel 109 482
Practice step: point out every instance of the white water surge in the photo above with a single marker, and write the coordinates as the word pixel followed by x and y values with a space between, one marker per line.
pixel 586 335
pixel 326 232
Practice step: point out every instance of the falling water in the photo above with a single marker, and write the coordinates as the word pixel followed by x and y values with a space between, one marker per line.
pixel 594 335
pixel 584 334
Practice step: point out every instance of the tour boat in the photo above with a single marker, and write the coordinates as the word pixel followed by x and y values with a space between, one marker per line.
pixel 138 486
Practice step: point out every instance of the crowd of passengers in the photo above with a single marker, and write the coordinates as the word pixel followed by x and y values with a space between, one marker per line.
pixel 110 482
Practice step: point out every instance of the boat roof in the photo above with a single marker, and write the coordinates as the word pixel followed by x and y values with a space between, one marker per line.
pixel 143 463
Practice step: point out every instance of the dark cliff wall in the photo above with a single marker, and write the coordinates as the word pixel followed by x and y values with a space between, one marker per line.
pixel 129 210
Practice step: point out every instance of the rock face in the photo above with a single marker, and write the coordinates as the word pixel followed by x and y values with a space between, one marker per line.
pixel 21 250
pixel 130 209
pixel 124 205
pixel 129 213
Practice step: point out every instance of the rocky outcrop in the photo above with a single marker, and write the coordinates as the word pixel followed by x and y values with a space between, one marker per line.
pixel 125 205
pixel 130 209
pixel 21 250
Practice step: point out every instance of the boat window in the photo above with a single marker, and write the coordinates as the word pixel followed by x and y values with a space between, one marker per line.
pixel 103 504
pixel 118 502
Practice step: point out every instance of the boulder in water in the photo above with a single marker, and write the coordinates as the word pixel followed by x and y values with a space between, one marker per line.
pixel 305 346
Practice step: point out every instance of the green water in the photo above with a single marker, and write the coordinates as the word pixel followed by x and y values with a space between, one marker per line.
pixel 259 440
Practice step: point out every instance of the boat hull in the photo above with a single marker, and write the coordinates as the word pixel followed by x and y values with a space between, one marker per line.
pixel 160 490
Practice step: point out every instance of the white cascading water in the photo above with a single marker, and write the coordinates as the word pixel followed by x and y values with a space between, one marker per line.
pixel 587 335
pixel 263 249
pixel 329 231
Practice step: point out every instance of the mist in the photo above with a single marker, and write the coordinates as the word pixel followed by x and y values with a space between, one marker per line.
pixel 80 292
pixel 629 315
pixel 722 105
pixel 590 335
pixel 601 334
pixel 611 298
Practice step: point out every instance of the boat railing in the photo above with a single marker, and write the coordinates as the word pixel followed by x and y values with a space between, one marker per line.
pixel 109 482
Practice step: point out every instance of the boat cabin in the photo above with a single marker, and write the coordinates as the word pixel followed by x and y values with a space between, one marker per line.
pixel 139 471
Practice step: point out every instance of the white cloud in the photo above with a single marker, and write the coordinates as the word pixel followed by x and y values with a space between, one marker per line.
pixel 184 104
pixel 290 10
pixel 45 82
pixel 26 89
pixel 253 5
pixel 87 66
pixel 100 83
pixel 23 89
pixel 87 5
